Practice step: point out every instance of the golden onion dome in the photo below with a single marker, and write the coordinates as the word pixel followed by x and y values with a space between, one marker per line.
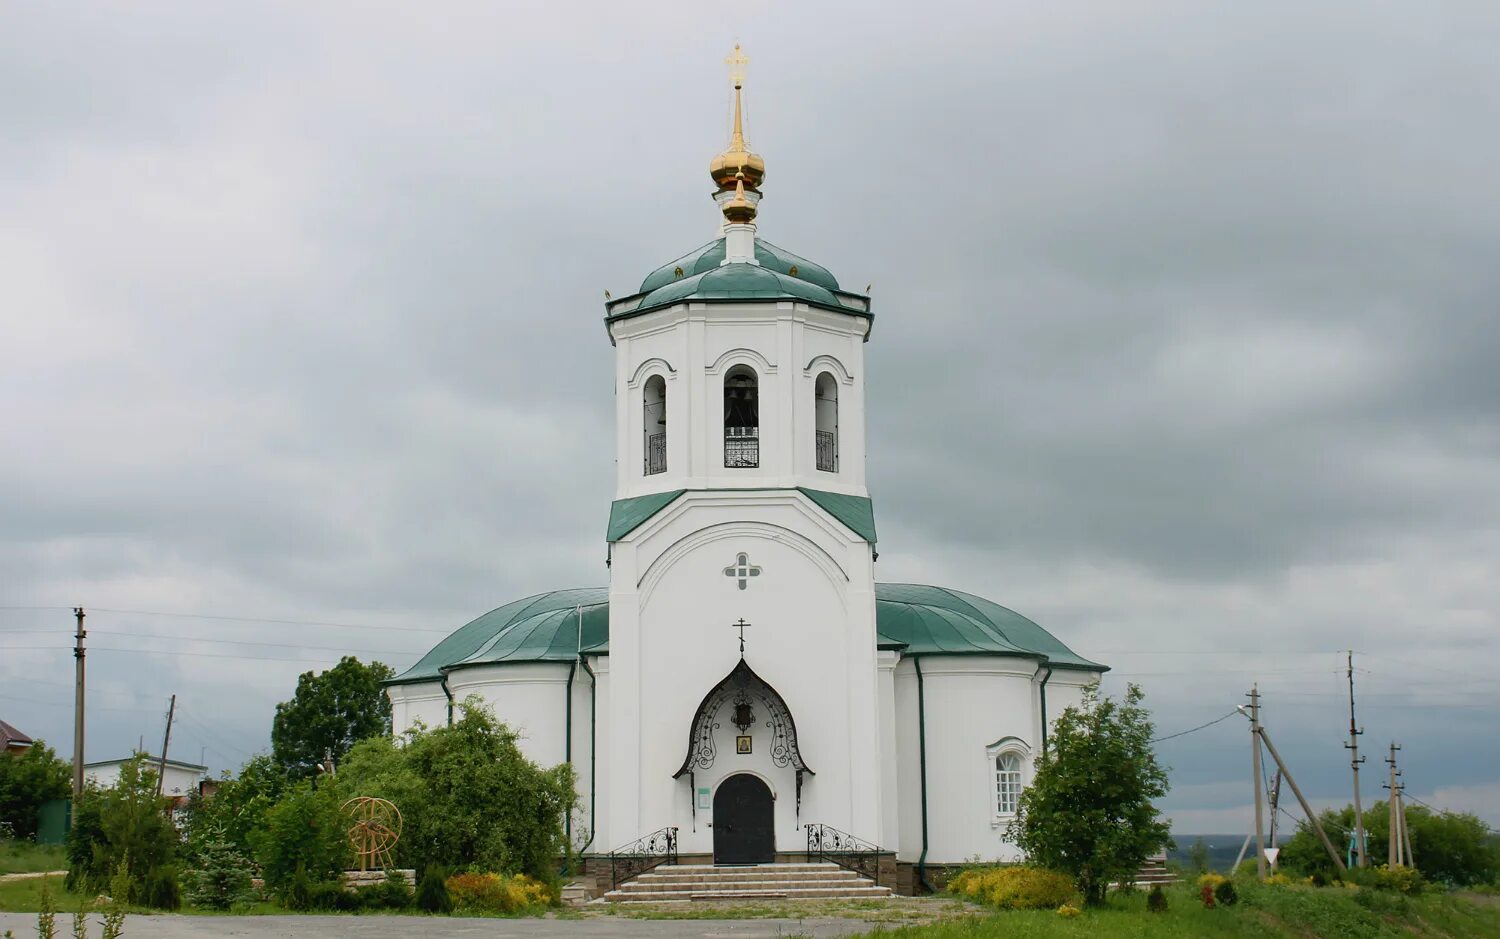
pixel 739 210
pixel 737 159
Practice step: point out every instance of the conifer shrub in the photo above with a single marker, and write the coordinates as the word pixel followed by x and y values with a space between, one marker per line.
pixel 220 877
pixel 1020 887
pixel 1156 900
pixel 432 892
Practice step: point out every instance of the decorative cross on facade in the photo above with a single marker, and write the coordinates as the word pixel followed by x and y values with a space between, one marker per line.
pixel 741 627
pixel 742 569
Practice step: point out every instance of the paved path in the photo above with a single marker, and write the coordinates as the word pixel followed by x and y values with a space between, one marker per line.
pixel 407 927
pixel 32 876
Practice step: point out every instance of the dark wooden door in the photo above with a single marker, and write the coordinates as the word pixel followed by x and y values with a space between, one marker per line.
pixel 744 822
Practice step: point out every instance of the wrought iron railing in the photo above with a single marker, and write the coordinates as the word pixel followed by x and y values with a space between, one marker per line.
pixel 826 843
pixel 656 454
pixel 742 447
pixel 828 456
pixel 641 855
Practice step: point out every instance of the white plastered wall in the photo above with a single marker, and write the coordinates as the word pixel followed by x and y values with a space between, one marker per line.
pixel 692 346
pixel 812 638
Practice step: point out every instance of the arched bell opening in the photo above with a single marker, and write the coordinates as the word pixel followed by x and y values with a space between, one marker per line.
pixel 748 702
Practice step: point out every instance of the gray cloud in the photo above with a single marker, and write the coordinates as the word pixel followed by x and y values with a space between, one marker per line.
pixel 1184 341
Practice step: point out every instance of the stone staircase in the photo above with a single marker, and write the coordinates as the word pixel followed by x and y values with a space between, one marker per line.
pixel 681 883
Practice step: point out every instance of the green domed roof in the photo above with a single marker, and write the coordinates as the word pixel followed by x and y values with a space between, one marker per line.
pixel 916 619
pixel 709 256
pixel 700 275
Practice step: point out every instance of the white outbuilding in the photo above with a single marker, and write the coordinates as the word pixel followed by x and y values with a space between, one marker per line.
pixel 742 678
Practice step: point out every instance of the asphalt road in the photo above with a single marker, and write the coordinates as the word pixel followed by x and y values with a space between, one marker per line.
pixel 420 927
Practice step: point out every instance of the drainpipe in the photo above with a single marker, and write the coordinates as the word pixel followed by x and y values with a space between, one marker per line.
pixel 448 692
pixel 916 661
pixel 1045 679
pixel 568 741
pixel 593 748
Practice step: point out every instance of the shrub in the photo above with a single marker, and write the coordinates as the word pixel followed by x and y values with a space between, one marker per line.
pixel 1206 894
pixel 1156 900
pixel 220 877
pixel 1069 820
pixel 492 893
pixel 125 827
pixel 27 780
pixel 432 892
pixel 390 894
pixel 469 798
pixel 1400 879
pixel 1225 894
pixel 1068 912
pixel 305 833
pixel 1014 888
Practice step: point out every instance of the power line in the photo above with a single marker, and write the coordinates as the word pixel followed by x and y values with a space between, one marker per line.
pixel 239 619
pixel 1190 730
pixel 234 642
pixel 279 622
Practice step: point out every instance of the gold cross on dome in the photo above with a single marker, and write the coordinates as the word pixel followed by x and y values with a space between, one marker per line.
pixel 737 61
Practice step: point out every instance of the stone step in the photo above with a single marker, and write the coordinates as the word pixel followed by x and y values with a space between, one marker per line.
pixel 733 875
pixel 790 868
pixel 763 884
pixel 777 893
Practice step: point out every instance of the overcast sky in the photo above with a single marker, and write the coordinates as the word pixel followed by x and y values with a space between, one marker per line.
pixel 1185 346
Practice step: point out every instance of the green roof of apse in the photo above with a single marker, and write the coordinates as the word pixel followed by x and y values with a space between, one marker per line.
pixel 914 618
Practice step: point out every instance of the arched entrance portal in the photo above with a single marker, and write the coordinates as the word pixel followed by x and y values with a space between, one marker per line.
pixel 744 821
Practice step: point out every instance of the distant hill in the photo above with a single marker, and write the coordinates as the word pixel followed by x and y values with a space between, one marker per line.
pixel 1222 849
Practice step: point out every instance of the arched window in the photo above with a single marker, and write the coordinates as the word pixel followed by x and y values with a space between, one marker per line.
pixel 826 418
pixel 654 425
pixel 741 418
pixel 1007 782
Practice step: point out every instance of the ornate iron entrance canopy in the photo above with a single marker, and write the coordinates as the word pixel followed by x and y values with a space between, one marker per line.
pixel 742 686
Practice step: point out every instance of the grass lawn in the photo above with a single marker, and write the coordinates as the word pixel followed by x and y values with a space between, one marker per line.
pixel 25 857
pixel 1263 912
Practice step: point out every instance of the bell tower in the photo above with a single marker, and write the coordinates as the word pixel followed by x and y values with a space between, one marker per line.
pixel 740 496
pixel 740 365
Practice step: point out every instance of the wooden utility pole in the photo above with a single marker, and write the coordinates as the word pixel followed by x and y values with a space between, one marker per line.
pixel 78 654
pixel 1354 761
pixel 1393 840
pixel 1260 839
pixel 1275 805
pixel 161 767
pixel 1411 859
pixel 1312 817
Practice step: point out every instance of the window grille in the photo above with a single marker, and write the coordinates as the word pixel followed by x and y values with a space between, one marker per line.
pixel 742 447
pixel 656 454
pixel 828 457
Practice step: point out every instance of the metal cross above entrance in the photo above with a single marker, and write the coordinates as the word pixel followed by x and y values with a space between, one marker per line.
pixel 742 569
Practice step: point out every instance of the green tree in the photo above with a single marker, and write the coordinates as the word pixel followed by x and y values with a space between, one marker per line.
pixel 1089 810
pixel 468 796
pixel 1450 847
pixel 26 781
pixel 1198 856
pixel 237 807
pixel 125 827
pixel 304 836
pixel 329 713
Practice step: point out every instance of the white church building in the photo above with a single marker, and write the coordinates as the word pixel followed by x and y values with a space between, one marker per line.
pixel 902 716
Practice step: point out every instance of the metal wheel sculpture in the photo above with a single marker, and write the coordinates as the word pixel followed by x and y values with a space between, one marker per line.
pixel 376 828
